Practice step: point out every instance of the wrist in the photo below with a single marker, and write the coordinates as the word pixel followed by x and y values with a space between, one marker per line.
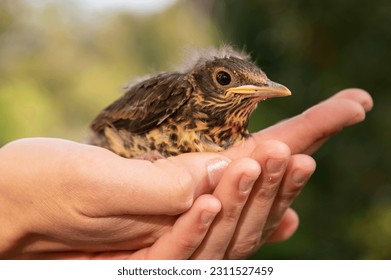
pixel 15 217
pixel 14 230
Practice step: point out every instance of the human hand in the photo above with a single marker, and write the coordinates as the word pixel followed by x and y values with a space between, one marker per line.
pixel 233 243
pixel 266 217
pixel 81 201
pixel 262 214
pixel 63 199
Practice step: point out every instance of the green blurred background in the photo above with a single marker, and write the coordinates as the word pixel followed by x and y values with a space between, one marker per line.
pixel 63 61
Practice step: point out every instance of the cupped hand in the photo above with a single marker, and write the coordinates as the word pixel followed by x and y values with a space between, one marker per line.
pixel 80 201
pixel 267 173
pixel 61 196
pixel 266 216
pixel 63 199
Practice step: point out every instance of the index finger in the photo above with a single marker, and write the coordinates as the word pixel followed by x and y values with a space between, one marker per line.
pixel 307 131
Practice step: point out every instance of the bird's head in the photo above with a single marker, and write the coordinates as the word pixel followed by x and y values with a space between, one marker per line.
pixel 229 77
pixel 228 86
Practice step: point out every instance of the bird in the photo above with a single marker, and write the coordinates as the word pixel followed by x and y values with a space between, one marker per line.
pixel 203 107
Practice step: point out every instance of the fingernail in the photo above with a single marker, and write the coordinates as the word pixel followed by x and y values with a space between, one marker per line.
pixel 246 183
pixel 216 169
pixel 207 217
pixel 275 165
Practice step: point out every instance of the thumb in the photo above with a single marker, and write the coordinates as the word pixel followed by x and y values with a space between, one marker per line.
pixel 112 185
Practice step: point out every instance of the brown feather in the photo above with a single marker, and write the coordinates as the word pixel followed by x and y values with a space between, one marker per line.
pixel 146 104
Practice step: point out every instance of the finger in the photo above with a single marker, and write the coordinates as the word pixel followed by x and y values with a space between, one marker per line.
pixel 287 227
pixel 359 95
pixel 180 242
pixel 320 121
pixel 232 191
pixel 187 233
pixel 103 184
pixel 309 130
pixel 298 172
pixel 273 156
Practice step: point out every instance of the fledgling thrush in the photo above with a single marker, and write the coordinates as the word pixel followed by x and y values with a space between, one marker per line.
pixel 205 108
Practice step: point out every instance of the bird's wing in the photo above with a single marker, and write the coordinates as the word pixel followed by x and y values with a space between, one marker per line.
pixel 146 104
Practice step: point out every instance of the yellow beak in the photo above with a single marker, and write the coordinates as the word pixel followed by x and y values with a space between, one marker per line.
pixel 271 89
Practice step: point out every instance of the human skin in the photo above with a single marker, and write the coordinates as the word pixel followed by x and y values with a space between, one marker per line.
pixel 303 134
pixel 61 199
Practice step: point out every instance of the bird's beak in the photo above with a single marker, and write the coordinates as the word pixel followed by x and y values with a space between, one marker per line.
pixel 270 90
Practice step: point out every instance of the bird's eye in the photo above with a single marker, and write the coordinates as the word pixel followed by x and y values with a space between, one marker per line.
pixel 223 78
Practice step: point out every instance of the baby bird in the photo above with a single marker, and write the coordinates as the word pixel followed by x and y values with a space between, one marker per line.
pixel 204 108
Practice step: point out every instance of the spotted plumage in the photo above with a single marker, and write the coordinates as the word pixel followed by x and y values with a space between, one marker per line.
pixel 203 108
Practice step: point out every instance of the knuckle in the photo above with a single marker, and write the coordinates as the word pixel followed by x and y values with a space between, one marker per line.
pixel 270 228
pixel 242 249
pixel 231 215
pixel 266 193
pixel 182 190
pixel 273 179
pixel 187 245
pixel 287 197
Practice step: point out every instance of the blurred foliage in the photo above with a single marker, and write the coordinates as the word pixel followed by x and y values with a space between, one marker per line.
pixel 60 64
